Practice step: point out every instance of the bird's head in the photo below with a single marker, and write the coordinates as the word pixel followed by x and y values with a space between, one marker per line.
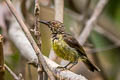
pixel 55 26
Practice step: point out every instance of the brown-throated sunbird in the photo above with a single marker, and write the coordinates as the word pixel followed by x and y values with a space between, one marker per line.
pixel 66 46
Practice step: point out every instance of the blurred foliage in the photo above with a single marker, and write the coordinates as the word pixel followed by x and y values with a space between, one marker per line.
pixel 110 58
pixel 114 8
pixel 102 42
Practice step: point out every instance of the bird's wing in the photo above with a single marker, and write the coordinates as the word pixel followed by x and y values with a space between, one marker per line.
pixel 72 42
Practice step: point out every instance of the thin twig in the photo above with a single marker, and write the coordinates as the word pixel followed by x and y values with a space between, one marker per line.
pixel 37 36
pixel 30 38
pixel 89 25
pixel 37 15
pixel 37 24
pixel 11 72
pixel 2 69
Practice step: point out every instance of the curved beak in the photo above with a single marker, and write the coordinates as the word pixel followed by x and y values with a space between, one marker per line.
pixel 44 22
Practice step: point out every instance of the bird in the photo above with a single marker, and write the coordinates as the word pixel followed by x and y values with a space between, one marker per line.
pixel 66 46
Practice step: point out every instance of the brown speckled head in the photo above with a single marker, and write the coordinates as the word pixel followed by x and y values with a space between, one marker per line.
pixel 55 26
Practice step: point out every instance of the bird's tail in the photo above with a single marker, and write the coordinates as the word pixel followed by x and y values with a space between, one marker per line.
pixel 90 66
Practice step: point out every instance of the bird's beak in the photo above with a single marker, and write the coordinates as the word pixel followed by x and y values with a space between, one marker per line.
pixel 44 22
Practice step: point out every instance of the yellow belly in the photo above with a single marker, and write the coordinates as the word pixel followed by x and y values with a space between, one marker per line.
pixel 64 51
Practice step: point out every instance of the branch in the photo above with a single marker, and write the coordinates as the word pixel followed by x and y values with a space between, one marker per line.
pixel 30 38
pixel 37 36
pixel 89 25
pixel 59 8
pixel 12 73
pixel 63 75
pixel 16 31
pixel 2 69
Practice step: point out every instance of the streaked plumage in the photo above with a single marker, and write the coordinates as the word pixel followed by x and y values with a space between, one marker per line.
pixel 66 46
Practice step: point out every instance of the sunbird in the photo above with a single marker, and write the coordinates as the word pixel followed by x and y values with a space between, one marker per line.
pixel 66 46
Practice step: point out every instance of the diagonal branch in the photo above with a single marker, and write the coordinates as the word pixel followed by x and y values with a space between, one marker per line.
pixel 30 38
pixel 12 73
pixel 89 24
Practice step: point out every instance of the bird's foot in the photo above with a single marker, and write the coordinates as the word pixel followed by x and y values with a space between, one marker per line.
pixel 61 68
